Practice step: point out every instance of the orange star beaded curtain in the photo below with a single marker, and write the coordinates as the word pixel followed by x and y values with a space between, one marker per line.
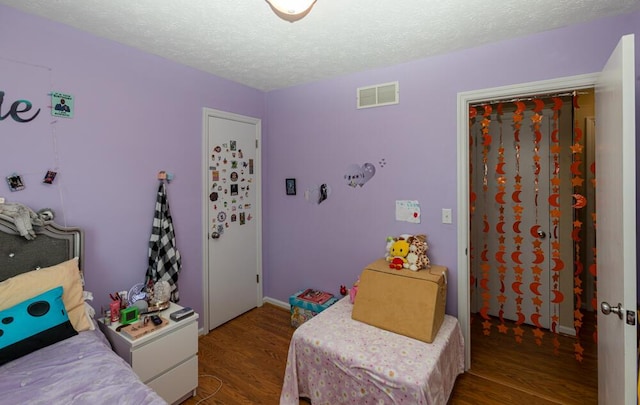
pixel 533 222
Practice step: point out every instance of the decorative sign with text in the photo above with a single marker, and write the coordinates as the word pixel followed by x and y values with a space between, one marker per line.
pixel 20 110
pixel 62 105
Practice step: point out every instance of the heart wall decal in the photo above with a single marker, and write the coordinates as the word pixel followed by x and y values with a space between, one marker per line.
pixel 357 175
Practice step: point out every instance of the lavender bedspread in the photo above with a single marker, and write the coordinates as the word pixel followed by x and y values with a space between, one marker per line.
pixel 336 360
pixel 78 370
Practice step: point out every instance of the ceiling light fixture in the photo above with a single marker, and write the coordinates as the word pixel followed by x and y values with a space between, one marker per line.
pixel 291 10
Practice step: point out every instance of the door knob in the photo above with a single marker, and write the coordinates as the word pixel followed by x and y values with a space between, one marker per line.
pixel 542 234
pixel 607 309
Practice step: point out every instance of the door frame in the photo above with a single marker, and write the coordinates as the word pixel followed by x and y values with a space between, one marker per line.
pixel 465 99
pixel 206 114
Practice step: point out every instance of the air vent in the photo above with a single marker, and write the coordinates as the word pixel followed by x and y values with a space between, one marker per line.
pixel 378 95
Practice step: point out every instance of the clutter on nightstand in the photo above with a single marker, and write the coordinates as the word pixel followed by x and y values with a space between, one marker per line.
pixel 181 314
pixel 141 328
pixel 162 352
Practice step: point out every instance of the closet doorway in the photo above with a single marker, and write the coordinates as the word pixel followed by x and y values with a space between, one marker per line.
pixel 532 212
pixel 232 214
pixel 521 208
pixel 616 205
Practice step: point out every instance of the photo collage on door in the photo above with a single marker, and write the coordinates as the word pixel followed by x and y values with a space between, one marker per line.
pixel 231 188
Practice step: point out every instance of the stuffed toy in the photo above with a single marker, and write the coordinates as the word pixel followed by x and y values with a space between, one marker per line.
pixel 390 241
pixel 417 257
pixel 24 218
pixel 398 254
pixel 412 259
pixel 353 291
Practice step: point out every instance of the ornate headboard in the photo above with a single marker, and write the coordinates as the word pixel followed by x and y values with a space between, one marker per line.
pixel 53 244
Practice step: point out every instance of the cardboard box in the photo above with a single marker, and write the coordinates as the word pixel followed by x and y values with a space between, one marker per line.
pixel 406 302
pixel 302 311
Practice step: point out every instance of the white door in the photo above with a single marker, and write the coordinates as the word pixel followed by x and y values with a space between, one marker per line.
pixel 233 258
pixel 616 225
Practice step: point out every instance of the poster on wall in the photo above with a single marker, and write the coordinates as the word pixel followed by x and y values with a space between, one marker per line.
pixel 15 182
pixel 62 105
pixel 49 177
pixel 408 211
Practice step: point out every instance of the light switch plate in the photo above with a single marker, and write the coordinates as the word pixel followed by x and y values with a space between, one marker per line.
pixel 446 216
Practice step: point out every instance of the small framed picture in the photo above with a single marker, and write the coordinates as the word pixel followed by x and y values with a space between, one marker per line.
pixel 291 186
pixel 15 182
pixel 49 177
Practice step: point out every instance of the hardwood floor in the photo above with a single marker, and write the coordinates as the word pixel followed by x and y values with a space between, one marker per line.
pixel 248 354
pixel 243 362
pixel 510 372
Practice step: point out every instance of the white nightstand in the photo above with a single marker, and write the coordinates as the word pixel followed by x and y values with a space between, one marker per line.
pixel 167 359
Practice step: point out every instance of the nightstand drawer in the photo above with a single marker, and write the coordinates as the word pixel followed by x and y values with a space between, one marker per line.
pixel 159 355
pixel 176 383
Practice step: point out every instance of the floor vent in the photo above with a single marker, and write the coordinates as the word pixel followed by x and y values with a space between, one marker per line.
pixel 378 95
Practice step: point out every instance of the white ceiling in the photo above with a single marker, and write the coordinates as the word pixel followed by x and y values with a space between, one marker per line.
pixel 244 41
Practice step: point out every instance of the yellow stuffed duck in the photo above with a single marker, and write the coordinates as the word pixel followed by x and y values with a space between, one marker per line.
pixel 398 254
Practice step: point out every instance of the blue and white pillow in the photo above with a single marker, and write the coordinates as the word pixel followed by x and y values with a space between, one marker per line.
pixel 33 324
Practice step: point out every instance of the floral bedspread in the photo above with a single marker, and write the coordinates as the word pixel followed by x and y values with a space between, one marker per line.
pixel 79 370
pixel 334 359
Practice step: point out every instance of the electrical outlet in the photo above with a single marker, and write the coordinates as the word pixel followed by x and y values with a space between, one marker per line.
pixel 1 200
pixel 446 216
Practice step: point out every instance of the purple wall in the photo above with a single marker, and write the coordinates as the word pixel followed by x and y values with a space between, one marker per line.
pixel 315 133
pixel 137 114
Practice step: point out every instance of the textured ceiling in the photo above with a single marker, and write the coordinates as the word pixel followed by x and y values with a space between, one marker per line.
pixel 244 41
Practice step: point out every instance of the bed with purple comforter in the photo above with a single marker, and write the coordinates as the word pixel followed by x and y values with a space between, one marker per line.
pixel 51 351
pixel 80 370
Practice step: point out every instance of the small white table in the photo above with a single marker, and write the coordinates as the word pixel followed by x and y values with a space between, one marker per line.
pixel 165 359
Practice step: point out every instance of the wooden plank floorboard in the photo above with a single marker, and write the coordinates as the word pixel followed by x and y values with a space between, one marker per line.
pixel 474 390
pixel 536 369
pixel 249 354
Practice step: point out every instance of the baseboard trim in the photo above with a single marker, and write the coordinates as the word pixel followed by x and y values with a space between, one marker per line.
pixel 566 330
pixel 277 303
